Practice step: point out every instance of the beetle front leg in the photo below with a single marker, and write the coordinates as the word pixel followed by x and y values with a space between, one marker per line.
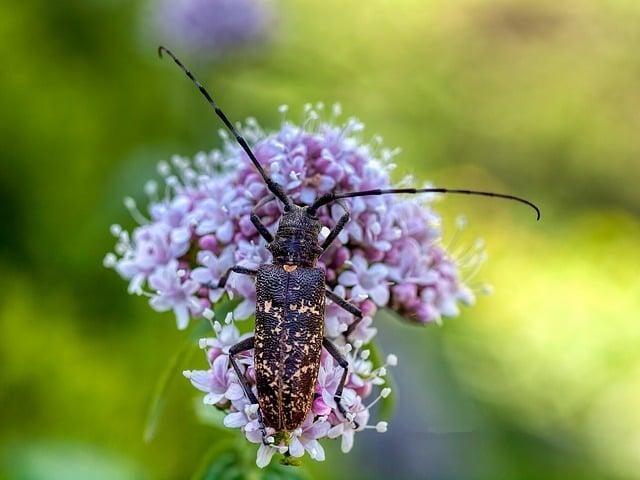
pixel 235 269
pixel 333 351
pixel 243 346
pixel 349 307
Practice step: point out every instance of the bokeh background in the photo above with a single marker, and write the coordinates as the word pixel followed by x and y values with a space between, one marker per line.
pixel 539 98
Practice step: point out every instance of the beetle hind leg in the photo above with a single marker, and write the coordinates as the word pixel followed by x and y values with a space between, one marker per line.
pixel 333 351
pixel 243 346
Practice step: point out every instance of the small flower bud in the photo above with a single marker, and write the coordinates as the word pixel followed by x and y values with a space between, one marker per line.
pixel 110 260
pixel 163 168
pixel 151 187
pixel 130 203
pixel 385 392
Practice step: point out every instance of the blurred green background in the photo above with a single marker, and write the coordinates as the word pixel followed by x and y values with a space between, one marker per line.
pixel 538 98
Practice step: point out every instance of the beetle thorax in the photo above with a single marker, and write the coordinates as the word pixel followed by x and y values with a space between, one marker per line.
pixel 296 241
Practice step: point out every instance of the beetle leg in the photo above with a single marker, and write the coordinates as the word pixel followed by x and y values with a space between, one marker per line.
pixel 262 230
pixel 338 228
pixel 243 346
pixel 235 269
pixel 333 351
pixel 349 307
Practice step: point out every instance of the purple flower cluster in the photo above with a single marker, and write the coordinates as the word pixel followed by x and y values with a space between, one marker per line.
pixel 212 28
pixel 222 389
pixel 198 225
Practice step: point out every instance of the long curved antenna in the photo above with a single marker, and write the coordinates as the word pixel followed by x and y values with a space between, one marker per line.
pixel 330 197
pixel 271 185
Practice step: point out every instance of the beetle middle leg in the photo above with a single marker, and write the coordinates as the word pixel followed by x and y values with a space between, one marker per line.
pixel 236 269
pixel 342 221
pixel 243 346
pixel 349 307
pixel 333 351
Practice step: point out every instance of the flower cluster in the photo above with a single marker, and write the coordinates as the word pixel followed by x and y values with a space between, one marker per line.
pixel 212 28
pixel 198 226
pixel 324 420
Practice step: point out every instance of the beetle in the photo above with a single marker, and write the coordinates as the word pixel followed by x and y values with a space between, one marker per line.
pixel 291 292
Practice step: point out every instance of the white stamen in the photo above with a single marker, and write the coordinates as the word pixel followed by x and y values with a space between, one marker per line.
pixel 283 108
pixel 110 260
pixel 217 327
pixel 392 360
pixel 208 314
pixel 130 203
pixel 229 318
pixel 116 230
pixel 172 181
pixel 381 427
pixel 382 372
pixel 163 168
pixel 186 373
pixel 385 392
pixel 365 354
pixel 151 188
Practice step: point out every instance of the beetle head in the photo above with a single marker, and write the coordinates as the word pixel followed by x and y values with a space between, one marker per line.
pixel 296 241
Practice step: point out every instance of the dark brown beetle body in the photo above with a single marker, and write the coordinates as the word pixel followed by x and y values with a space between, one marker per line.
pixel 291 292
pixel 288 341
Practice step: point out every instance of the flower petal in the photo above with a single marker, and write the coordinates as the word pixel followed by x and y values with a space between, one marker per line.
pixel 265 453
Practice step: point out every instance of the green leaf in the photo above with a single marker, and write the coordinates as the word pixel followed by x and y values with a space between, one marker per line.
pixel 169 374
pixel 161 389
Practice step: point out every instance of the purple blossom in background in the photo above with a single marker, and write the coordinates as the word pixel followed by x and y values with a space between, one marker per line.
pixel 212 28
pixel 390 255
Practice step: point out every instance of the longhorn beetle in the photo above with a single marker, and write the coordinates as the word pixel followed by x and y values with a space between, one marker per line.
pixel 291 291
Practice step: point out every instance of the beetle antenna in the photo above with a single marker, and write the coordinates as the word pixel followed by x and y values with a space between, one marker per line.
pixel 331 197
pixel 271 185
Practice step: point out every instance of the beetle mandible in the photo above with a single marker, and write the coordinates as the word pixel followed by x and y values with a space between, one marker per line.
pixel 291 291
